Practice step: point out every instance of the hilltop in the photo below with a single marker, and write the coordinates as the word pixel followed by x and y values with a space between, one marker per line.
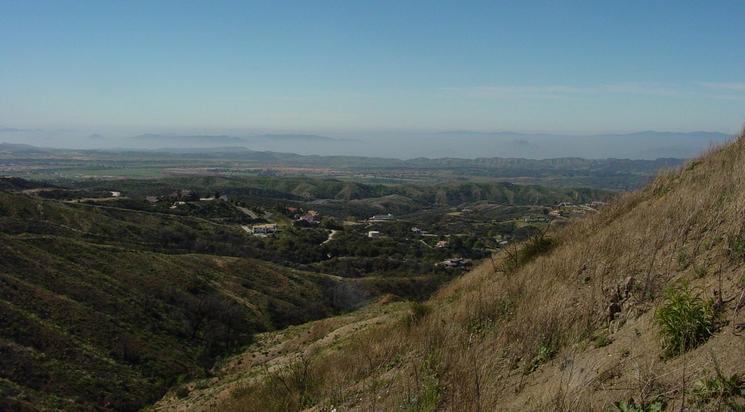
pixel 638 307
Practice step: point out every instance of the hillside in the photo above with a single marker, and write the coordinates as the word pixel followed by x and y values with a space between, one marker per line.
pixel 104 308
pixel 637 308
pixel 365 198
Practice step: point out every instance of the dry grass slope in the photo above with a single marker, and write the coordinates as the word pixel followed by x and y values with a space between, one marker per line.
pixel 571 329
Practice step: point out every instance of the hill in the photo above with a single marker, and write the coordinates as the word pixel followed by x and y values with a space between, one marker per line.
pixel 637 308
pixel 338 193
pixel 104 308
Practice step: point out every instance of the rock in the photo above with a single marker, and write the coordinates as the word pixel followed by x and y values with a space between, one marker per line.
pixel 628 284
pixel 613 309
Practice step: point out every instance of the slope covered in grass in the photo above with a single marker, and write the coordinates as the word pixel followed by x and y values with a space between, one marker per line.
pixel 583 322
pixel 104 308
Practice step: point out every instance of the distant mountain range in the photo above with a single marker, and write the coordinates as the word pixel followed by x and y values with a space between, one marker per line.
pixel 404 145
pixel 151 140
pixel 457 144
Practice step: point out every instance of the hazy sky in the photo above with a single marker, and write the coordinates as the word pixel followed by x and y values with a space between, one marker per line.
pixel 351 65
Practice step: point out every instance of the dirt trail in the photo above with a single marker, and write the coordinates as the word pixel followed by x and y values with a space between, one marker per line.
pixel 331 237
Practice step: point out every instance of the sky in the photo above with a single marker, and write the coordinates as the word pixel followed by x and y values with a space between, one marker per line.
pixel 353 67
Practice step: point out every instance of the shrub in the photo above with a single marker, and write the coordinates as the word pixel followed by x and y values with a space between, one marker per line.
pixel 630 405
pixel 548 348
pixel 417 312
pixel 182 392
pixel 685 320
pixel 718 388
pixel 537 245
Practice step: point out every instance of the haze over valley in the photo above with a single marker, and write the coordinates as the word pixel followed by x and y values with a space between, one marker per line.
pixel 401 145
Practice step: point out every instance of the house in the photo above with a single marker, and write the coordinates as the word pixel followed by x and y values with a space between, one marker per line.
pixel 373 234
pixel 441 244
pixel 264 229
pixel 187 195
pixel 310 217
pixel 416 231
pixel 455 262
pixel 532 219
pixel 381 218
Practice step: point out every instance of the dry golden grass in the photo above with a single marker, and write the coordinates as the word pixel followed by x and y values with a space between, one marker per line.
pixel 540 337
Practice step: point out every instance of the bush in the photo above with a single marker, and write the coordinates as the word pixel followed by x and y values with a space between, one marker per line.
pixel 418 311
pixel 718 388
pixel 182 392
pixel 547 349
pixel 657 405
pixel 685 320
pixel 536 246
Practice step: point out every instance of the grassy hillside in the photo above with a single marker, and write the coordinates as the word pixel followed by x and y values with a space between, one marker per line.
pixel 105 308
pixel 343 198
pixel 638 308
pixel 446 194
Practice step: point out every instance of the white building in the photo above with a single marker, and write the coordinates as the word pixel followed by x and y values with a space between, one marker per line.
pixel 265 229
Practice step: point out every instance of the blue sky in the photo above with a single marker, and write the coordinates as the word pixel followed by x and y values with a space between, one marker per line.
pixel 353 66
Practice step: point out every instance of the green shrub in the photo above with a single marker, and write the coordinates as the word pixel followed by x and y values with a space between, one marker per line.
pixel 537 245
pixel 718 388
pixel 417 312
pixel 182 392
pixel 546 351
pixel 685 320
pixel 630 405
